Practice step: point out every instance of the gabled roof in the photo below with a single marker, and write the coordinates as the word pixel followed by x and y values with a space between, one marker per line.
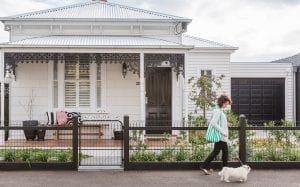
pixel 95 11
pixel 295 60
pixel 203 43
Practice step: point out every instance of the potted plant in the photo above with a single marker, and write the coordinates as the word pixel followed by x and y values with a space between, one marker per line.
pixel 118 134
pixel 41 133
pixel 28 105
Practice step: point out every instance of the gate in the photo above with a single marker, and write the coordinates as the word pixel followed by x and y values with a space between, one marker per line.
pixel 100 141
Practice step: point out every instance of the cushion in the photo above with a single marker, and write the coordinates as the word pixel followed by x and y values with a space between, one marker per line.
pixel 61 118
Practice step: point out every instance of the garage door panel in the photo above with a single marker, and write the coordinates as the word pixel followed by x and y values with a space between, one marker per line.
pixel 244 82
pixel 259 98
pixel 244 101
pixel 255 82
pixel 256 110
pixel 268 101
pixel 256 92
pixel 268 93
pixel 256 101
pixel 268 111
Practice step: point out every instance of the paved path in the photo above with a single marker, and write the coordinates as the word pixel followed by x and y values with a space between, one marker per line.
pixel 264 178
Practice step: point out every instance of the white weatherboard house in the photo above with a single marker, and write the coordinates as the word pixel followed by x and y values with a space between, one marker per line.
pixel 104 57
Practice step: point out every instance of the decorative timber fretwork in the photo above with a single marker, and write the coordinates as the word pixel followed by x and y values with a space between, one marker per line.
pixel 175 61
pixel 132 60
pixel 31 57
pixel 129 60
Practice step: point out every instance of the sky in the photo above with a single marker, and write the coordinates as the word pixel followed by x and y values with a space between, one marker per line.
pixel 263 30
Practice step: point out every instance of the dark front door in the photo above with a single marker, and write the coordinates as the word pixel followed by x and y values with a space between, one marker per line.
pixel 258 98
pixel 158 98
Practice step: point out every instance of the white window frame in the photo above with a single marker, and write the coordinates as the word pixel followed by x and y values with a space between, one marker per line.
pixel 93 89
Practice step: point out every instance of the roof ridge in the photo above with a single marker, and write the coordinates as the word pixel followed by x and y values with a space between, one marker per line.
pixel 205 40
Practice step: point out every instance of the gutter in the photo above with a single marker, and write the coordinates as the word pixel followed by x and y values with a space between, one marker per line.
pixel 97 46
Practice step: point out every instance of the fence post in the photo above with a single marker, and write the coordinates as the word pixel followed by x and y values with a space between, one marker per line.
pixel 242 138
pixel 126 141
pixel 6 110
pixel 75 141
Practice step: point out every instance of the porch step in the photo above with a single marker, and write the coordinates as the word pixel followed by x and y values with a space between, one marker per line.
pixel 99 168
pixel 159 137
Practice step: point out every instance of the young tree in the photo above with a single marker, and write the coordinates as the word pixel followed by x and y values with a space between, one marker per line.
pixel 203 91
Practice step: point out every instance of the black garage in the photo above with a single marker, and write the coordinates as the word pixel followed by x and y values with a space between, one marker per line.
pixel 258 98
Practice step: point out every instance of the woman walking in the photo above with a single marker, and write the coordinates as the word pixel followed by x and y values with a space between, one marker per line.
pixel 219 123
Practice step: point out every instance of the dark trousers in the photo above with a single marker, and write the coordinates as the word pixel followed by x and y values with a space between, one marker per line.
pixel 217 148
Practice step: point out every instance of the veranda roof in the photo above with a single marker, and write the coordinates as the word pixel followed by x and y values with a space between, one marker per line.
pixel 115 41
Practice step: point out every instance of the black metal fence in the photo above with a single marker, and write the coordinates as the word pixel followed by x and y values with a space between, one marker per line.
pixel 102 141
pixel 32 146
pixel 80 142
pixel 257 143
pixel 172 145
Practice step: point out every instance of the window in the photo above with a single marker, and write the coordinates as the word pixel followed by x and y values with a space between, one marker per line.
pixel 207 73
pixel 55 85
pixel 77 84
pixel 98 85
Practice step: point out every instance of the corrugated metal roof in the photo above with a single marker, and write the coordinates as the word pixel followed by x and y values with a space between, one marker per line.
pixel 187 42
pixel 295 60
pixel 95 10
pixel 93 41
pixel 203 43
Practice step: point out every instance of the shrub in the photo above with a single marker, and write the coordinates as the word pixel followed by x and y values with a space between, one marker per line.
pixel 198 153
pixel 165 155
pixel 42 156
pixel 9 155
pixel 142 155
pixel 63 157
pixel 25 156
pixel 181 155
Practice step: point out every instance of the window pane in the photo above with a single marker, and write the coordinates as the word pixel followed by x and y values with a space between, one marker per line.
pixel 208 73
pixel 84 94
pixel 55 94
pixel 55 70
pixel 98 94
pixel 70 70
pixel 70 94
pixel 84 69
pixel 98 85
pixel 98 72
pixel 202 72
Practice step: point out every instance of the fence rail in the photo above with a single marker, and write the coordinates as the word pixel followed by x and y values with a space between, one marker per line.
pixel 145 145
pixel 30 148
pixel 183 145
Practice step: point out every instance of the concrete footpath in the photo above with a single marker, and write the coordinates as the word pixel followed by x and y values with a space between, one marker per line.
pixel 264 178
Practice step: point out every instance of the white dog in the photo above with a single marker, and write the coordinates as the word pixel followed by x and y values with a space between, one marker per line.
pixel 235 174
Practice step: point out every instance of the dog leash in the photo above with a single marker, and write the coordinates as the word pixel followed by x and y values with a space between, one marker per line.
pixel 238 158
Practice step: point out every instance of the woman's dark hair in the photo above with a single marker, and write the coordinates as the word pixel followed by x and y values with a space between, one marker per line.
pixel 223 99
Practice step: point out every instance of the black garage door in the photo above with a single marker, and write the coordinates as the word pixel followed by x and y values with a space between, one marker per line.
pixel 258 98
